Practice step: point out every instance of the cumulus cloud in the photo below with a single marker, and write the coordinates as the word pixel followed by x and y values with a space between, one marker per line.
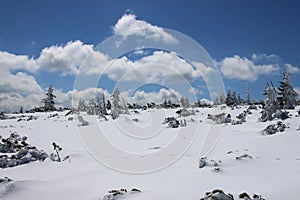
pixel 262 57
pixel 160 66
pixel 10 62
pixel 128 25
pixel 242 68
pixel 19 83
pixel 142 97
pixel 65 59
pixel 68 58
pixel 11 101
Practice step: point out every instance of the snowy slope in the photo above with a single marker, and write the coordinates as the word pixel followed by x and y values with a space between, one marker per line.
pixel 275 159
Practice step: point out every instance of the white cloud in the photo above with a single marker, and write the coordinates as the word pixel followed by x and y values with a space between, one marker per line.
pixel 128 25
pixel 10 62
pixel 65 59
pixel 237 67
pixel 19 83
pixel 68 58
pixel 142 97
pixel 292 69
pixel 10 102
pixel 262 57
pixel 159 67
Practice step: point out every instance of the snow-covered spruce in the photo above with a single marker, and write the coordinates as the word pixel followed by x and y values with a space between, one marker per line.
pixel 287 95
pixel 49 100
pixel 16 151
pixel 271 103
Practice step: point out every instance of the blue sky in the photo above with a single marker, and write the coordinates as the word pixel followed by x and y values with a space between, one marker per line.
pixel 261 36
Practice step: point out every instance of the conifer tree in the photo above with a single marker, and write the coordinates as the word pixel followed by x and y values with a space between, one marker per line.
pixel 49 100
pixel 288 96
pixel 248 100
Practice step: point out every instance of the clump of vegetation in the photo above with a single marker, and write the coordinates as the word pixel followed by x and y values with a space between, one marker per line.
pixel 15 151
pixel 116 194
pixel 218 194
pixel 274 128
pixel 56 156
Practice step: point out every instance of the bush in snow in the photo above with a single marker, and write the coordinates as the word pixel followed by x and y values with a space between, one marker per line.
pixel 243 156
pixel 220 118
pixel 174 124
pixel 82 121
pixel 5 180
pixel 21 151
pixel 217 195
pixel 203 162
pixel 121 193
pixel 55 156
pixel 274 128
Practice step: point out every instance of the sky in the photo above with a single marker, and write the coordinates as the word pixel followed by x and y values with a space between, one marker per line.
pixel 56 43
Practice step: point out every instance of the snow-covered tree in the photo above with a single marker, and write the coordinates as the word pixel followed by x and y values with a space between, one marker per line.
pixel 90 108
pixel 248 100
pixel 288 96
pixel 81 105
pixel 101 105
pixel 222 99
pixel 115 97
pixel 239 99
pixel 108 105
pixel 271 103
pixel 229 98
pixel 184 102
pixel 234 98
pixel 217 101
pixel 49 100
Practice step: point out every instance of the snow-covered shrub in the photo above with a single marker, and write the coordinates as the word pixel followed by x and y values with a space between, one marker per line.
pixel 274 128
pixel 183 123
pixel 114 113
pixel 168 119
pixel 220 118
pixel 203 162
pixel 245 196
pixel 184 112
pixel 243 156
pixel 121 193
pixel 5 180
pixel 82 121
pixel 21 151
pixel 252 107
pixel 217 194
pixel 174 124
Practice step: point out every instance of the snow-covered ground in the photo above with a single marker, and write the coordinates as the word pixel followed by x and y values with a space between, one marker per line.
pixel 273 171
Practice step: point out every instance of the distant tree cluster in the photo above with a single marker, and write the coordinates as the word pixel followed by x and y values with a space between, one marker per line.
pixel 233 98
pixel 285 98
